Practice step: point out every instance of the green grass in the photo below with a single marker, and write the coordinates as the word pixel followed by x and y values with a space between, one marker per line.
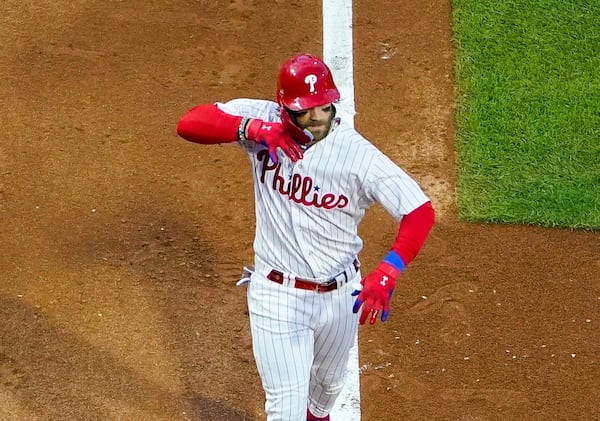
pixel 528 111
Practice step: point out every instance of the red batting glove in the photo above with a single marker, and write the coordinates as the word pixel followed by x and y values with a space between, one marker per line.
pixel 273 136
pixel 376 293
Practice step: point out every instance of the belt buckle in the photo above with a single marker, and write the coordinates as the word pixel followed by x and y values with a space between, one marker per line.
pixel 332 281
pixel 319 288
pixel 335 279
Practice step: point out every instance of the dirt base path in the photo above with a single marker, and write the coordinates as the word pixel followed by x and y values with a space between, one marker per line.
pixel 121 243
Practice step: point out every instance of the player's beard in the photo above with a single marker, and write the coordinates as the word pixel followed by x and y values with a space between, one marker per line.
pixel 320 129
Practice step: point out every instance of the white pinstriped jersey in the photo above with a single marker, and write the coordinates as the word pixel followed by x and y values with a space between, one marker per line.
pixel 308 212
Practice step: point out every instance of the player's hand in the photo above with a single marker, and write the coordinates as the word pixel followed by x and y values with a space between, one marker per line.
pixel 273 136
pixel 376 292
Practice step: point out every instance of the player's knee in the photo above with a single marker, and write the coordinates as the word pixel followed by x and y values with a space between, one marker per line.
pixel 286 405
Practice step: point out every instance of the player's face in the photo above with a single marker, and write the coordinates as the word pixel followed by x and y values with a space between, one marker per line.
pixel 316 120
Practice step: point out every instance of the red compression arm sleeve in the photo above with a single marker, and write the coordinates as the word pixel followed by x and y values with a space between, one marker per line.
pixel 208 124
pixel 413 231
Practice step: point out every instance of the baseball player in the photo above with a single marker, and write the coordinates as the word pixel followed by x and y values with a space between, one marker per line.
pixel 314 178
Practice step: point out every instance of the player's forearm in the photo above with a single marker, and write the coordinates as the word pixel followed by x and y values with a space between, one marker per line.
pixel 378 286
pixel 412 233
pixel 209 125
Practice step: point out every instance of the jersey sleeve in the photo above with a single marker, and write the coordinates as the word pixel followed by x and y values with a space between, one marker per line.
pixel 392 187
pixel 251 108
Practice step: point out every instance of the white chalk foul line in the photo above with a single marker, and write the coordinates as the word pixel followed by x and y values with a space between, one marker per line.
pixel 338 54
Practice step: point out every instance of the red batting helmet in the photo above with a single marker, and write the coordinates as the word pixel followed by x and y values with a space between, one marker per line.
pixel 305 82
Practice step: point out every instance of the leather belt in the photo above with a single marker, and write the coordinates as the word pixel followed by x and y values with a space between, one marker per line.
pixel 333 283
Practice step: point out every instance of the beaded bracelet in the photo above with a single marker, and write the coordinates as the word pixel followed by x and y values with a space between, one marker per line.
pixel 242 129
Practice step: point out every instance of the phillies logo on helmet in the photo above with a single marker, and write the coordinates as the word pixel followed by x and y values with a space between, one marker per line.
pixel 311 80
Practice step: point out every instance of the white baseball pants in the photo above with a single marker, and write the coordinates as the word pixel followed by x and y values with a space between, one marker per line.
pixel 301 343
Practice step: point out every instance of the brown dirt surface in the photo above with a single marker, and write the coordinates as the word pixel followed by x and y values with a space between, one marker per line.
pixel 121 243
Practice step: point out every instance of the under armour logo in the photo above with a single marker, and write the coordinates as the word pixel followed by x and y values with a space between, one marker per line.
pixel 310 80
pixel 265 127
pixel 384 280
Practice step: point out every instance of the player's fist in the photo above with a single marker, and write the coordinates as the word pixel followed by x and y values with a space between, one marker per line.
pixel 376 292
pixel 273 136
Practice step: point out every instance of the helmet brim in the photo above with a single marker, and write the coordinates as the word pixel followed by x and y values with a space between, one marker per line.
pixel 318 99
